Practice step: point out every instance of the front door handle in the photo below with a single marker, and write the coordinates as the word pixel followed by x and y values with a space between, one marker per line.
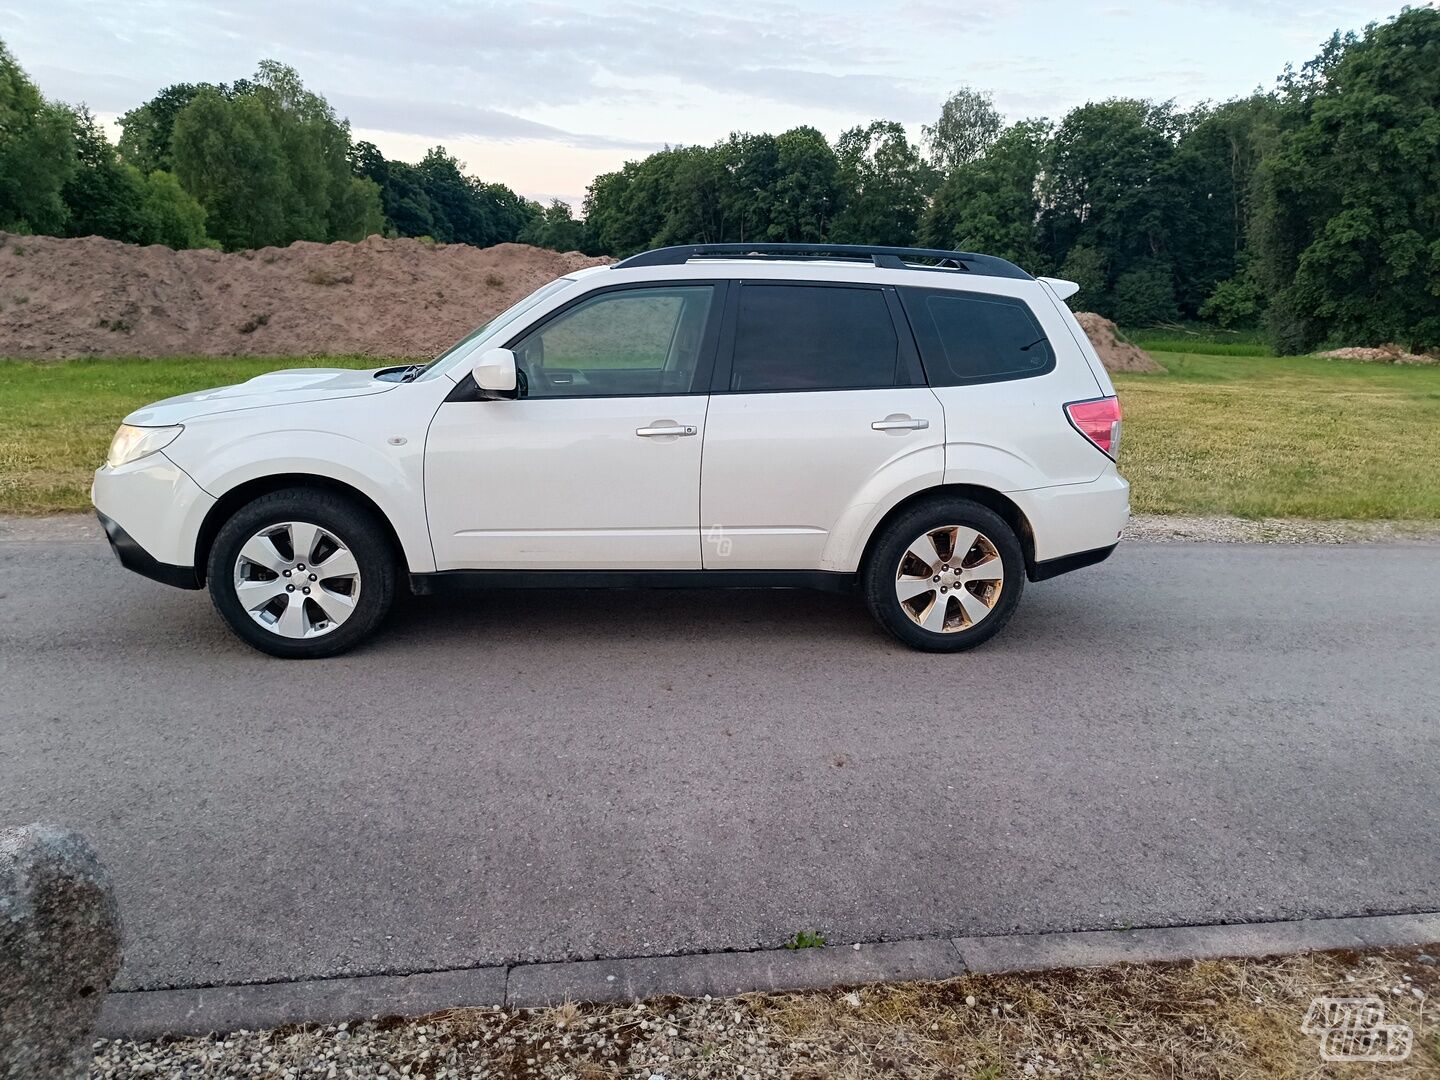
pixel 898 422
pixel 661 428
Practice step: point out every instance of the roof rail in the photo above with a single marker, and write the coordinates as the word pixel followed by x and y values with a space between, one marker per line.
pixel 890 258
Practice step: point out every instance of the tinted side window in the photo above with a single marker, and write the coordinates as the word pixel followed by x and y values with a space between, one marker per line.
pixel 812 337
pixel 968 337
pixel 630 342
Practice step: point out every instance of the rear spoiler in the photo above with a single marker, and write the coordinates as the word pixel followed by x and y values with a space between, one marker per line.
pixel 1061 288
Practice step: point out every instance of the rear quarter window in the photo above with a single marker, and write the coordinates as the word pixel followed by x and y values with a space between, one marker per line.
pixel 973 337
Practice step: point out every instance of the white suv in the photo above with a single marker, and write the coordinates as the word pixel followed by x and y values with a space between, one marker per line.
pixel 928 428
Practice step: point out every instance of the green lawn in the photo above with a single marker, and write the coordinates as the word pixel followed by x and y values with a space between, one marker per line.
pixel 1252 436
pixel 1256 436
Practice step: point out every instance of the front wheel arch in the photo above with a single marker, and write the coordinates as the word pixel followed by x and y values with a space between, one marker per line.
pixel 986 497
pixel 243 494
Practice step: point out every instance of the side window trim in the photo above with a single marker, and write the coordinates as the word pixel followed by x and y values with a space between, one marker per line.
pixel 709 342
pixel 907 362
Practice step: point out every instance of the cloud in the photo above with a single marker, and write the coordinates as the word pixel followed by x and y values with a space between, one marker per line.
pixel 450 120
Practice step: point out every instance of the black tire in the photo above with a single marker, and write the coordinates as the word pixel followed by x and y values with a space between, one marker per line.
pixel 878 578
pixel 355 526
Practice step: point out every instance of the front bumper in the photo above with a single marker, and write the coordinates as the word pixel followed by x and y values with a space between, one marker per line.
pixel 152 512
pixel 134 557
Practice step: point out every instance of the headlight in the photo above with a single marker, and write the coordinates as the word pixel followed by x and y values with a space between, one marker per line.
pixel 131 443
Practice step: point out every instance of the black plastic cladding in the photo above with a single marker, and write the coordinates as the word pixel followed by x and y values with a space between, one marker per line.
pixel 889 258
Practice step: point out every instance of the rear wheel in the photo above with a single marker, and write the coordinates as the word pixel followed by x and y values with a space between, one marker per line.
pixel 302 573
pixel 945 575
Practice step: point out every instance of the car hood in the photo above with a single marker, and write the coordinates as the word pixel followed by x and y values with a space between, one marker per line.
pixel 274 388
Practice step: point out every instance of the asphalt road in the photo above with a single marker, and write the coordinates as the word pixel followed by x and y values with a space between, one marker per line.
pixel 1188 733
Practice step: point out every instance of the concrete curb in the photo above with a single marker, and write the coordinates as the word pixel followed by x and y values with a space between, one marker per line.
pixel 146 1014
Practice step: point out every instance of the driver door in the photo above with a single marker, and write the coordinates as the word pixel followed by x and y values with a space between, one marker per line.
pixel 595 465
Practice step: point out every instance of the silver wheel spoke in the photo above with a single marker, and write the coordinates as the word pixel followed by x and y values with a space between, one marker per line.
pixel 975 608
pixel 292 622
pixel 257 594
pixel 336 606
pixel 909 588
pixel 261 551
pixel 935 618
pixel 961 541
pixel 340 563
pixel 990 569
pixel 303 536
pixel 924 550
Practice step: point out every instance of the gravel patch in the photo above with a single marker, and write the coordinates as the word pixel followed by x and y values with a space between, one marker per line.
pixel 1166 528
pixel 1202 1018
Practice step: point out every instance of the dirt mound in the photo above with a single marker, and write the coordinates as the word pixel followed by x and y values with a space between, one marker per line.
pixel 384 298
pixel 1115 354
pixel 1382 354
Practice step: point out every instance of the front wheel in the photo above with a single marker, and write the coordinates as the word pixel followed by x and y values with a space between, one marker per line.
pixel 302 573
pixel 945 575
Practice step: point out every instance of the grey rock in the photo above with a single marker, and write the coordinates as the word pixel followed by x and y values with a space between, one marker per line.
pixel 59 949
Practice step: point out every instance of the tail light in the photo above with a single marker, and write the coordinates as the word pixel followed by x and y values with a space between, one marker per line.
pixel 1099 421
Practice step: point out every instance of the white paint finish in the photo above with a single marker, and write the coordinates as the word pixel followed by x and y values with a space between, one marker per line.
pixel 154 501
pixel 783 470
pixel 1076 517
pixel 346 439
pixel 565 483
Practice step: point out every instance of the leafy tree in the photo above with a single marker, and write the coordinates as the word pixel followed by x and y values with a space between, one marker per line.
pixel 169 215
pixel 229 157
pixel 37 153
pixel 108 197
pixel 1236 301
pixel 1086 267
pixel 882 181
pixel 1211 175
pixel 269 161
pixel 1106 185
pixel 992 204
pixel 806 188
pixel 557 229
pixel 967 125
pixel 1348 236
pixel 1145 294
pixel 147 129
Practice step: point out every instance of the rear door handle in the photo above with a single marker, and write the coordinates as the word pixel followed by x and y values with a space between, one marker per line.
pixel 665 429
pixel 900 423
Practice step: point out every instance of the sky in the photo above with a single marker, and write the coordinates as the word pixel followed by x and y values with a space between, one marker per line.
pixel 545 95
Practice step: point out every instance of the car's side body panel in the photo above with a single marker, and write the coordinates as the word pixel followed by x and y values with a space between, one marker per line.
pixel 565 483
pixel 787 475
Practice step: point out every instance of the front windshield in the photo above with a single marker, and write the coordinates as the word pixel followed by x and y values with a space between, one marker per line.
pixel 486 331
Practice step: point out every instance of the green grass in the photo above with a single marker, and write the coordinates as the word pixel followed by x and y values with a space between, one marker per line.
pixel 1251 436
pixel 1282 437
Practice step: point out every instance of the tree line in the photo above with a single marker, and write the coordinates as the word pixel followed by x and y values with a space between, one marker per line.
pixel 1311 210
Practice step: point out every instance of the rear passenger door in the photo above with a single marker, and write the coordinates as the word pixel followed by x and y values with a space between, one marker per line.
pixel 818 414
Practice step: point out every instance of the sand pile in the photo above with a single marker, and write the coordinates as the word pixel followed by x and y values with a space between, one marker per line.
pixel 1115 354
pixel 1382 354
pixel 384 298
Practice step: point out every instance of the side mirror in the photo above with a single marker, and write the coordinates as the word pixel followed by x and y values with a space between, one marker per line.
pixel 494 373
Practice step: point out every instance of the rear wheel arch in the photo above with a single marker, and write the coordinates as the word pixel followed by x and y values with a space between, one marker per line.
pixel 247 492
pixel 989 498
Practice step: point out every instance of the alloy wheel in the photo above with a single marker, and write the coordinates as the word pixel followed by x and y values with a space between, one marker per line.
pixel 949 578
pixel 297 579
